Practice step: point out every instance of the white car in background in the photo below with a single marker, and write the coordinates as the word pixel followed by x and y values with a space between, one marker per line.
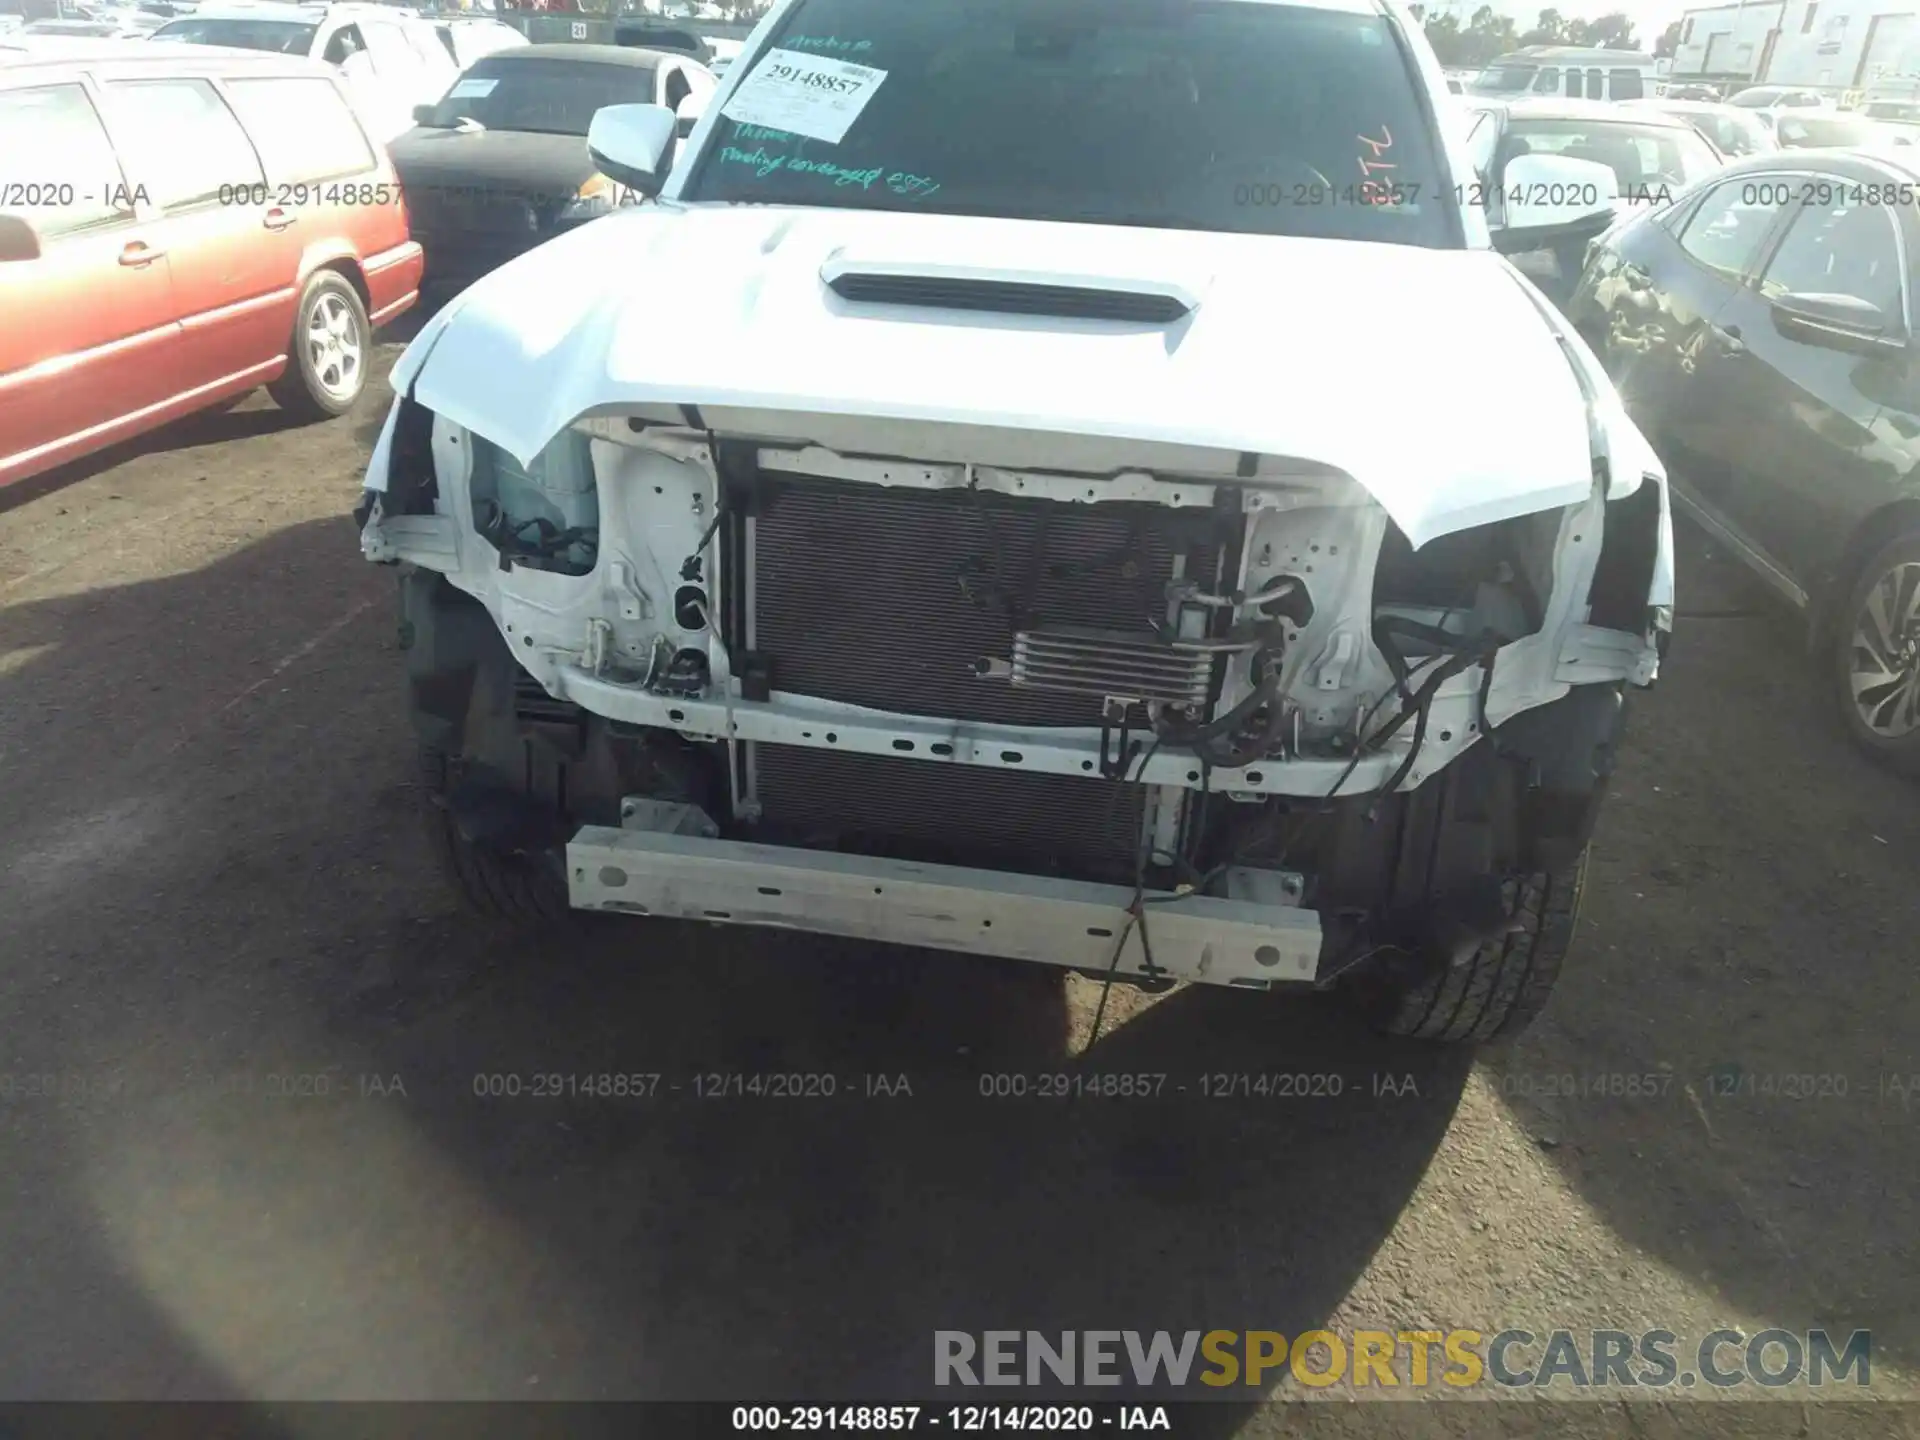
pixel 1780 97
pixel 1568 71
pixel 102 21
pixel 1735 133
pixel 474 37
pixel 116 28
pixel 391 59
pixel 725 52
pixel 1900 119
pixel 1807 128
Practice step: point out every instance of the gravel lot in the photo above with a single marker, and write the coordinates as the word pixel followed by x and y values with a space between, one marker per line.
pixel 215 884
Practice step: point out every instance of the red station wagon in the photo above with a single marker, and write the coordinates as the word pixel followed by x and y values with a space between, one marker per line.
pixel 178 225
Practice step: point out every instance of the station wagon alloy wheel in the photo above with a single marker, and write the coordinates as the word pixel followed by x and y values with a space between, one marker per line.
pixel 333 342
pixel 1884 657
pixel 326 351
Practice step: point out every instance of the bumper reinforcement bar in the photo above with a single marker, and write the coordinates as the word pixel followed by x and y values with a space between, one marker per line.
pixel 1241 940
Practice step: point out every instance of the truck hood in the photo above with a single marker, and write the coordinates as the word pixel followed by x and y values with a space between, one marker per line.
pixel 1434 378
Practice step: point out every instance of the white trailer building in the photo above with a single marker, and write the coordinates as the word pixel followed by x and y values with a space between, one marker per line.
pixel 1834 45
pixel 1728 42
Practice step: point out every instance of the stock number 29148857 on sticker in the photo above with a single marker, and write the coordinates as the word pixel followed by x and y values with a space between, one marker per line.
pixel 814 79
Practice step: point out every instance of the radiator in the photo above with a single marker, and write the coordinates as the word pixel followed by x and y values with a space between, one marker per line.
pixel 891 599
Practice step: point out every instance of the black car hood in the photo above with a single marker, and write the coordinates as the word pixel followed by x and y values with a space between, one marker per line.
pixel 512 160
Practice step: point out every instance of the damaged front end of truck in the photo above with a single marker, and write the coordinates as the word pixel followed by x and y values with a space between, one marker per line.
pixel 1138 707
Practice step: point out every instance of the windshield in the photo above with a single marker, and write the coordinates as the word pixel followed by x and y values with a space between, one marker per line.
pixel 1643 158
pixel 1902 111
pixel 1187 114
pixel 287 37
pixel 1812 130
pixel 1504 79
pixel 547 97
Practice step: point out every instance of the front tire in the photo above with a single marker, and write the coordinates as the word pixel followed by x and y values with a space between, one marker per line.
pixel 1494 991
pixel 328 354
pixel 1874 660
pixel 512 885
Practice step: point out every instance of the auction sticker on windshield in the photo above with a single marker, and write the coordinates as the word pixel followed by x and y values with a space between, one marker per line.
pixel 471 88
pixel 804 94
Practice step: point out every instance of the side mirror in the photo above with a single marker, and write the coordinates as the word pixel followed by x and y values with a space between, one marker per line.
pixel 688 115
pixel 1548 196
pixel 633 144
pixel 1835 322
pixel 423 114
pixel 18 239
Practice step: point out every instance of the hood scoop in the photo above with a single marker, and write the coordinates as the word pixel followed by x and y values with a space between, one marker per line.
pixel 1007 292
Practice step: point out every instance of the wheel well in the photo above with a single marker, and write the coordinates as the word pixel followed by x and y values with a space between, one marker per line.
pixel 1873 535
pixel 351 271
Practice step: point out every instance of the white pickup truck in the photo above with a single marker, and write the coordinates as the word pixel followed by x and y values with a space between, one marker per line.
pixel 1057 479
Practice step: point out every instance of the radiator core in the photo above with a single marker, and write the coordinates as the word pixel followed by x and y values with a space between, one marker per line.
pixel 892 599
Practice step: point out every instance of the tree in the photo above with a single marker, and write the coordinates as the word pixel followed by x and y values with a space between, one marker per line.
pixel 1612 31
pixel 1443 33
pixel 1485 36
pixel 1551 29
pixel 1669 41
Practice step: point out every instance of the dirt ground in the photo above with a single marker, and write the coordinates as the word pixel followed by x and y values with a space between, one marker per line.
pixel 265 1170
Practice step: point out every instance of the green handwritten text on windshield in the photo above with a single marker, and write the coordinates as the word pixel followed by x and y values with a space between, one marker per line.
pixel 767 162
pixel 827 44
